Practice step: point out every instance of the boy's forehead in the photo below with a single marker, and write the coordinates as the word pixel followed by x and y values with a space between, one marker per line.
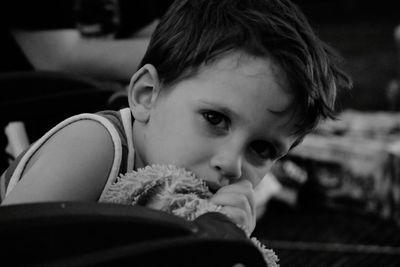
pixel 253 71
pixel 249 65
pixel 234 59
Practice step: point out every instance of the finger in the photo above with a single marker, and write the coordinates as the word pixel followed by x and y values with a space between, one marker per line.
pixel 234 200
pixel 241 187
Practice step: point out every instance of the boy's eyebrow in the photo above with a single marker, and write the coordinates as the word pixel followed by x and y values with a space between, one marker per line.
pixel 280 112
pixel 228 111
pixel 221 108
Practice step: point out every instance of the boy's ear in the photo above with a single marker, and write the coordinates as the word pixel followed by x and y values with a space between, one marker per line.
pixel 143 91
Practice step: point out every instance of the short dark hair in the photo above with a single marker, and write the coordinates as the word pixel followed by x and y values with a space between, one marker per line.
pixel 196 32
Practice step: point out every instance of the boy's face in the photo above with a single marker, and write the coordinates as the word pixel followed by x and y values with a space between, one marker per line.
pixel 228 122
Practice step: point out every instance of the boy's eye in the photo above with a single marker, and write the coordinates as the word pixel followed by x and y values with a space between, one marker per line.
pixel 264 150
pixel 216 119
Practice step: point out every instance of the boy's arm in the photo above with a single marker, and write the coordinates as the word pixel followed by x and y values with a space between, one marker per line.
pixel 73 165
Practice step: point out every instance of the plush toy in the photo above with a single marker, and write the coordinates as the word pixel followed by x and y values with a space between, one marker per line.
pixel 173 190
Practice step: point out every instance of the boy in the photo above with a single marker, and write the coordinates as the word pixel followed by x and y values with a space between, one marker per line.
pixel 225 89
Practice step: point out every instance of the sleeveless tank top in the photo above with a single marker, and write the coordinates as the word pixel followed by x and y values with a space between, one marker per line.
pixel 118 124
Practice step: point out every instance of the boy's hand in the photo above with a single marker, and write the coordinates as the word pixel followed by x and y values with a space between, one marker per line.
pixel 238 202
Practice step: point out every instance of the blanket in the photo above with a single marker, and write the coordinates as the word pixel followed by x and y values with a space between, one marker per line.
pixel 173 190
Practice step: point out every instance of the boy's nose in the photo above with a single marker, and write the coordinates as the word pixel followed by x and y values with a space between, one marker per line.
pixel 228 164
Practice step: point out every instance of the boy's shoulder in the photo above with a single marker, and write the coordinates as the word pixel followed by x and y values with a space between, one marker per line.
pixel 95 135
pixel 80 151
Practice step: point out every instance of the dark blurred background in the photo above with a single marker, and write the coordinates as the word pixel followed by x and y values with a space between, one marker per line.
pixel 311 232
pixel 362 31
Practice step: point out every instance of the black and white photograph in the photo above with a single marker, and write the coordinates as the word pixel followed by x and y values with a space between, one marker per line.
pixel 226 133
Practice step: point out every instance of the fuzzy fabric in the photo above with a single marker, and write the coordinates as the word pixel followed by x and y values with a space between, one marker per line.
pixel 173 190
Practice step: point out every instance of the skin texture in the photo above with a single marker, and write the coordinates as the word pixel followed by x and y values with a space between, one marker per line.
pixel 228 124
